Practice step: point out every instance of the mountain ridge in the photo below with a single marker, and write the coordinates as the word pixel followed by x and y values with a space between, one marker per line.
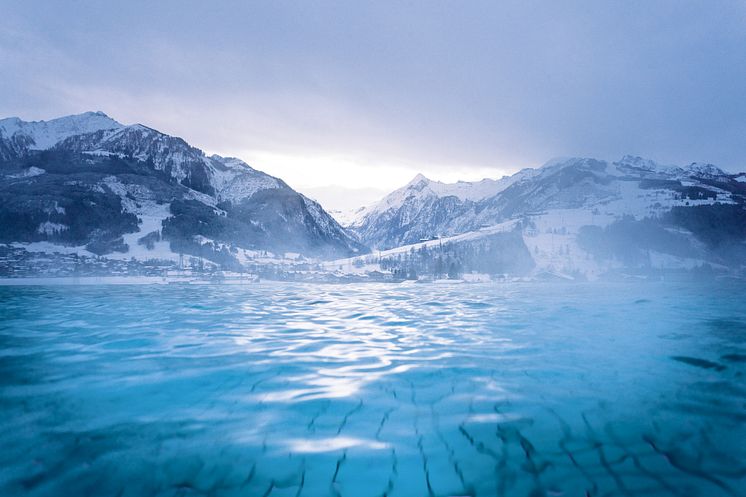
pixel 228 203
pixel 702 205
pixel 90 184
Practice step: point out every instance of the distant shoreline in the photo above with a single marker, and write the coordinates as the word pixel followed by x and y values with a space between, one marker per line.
pixel 111 280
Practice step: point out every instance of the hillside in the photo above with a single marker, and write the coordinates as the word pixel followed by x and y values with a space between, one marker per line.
pixel 90 184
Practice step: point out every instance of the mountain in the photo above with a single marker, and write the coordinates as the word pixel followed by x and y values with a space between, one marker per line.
pixel 20 137
pixel 89 185
pixel 89 182
pixel 412 212
pixel 632 212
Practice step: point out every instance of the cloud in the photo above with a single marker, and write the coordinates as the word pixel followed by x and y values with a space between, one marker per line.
pixel 379 91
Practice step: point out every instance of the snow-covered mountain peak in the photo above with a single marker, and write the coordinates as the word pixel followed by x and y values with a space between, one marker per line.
pixel 639 162
pixel 632 164
pixel 628 164
pixel 98 155
pixel 417 180
pixel 463 190
pixel 632 186
pixel 78 124
pixel 232 162
pixel 703 170
pixel 140 128
pixel 10 125
pixel 45 134
pixel 422 191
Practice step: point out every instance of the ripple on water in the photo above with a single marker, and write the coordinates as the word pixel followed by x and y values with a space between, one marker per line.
pixel 279 389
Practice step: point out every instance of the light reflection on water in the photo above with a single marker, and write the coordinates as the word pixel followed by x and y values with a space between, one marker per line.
pixel 281 389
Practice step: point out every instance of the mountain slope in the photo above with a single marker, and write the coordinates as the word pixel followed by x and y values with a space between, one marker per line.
pixel 578 209
pixel 421 208
pixel 87 180
pixel 18 137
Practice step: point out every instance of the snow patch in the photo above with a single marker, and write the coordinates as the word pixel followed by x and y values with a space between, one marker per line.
pixel 51 248
pixel 49 228
pixel 28 173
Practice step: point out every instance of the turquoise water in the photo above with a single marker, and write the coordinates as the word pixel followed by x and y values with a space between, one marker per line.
pixel 371 390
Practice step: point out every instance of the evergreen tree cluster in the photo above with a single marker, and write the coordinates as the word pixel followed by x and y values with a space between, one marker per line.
pixel 502 253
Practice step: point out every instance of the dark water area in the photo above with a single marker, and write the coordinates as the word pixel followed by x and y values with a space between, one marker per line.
pixel 369 390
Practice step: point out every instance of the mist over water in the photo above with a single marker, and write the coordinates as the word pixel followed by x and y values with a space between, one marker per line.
pixel 278 389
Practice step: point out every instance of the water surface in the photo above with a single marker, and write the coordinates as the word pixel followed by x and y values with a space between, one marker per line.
pixel 370 390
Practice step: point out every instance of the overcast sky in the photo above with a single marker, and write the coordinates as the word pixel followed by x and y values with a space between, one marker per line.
pixel 364 95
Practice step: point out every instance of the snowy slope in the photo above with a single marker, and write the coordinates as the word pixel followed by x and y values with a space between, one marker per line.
pixel 561 199
pixel 234 180
pixel 630 186
pixel 420 189
pixel 95 133
pixel 45 134
pixel 157 178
